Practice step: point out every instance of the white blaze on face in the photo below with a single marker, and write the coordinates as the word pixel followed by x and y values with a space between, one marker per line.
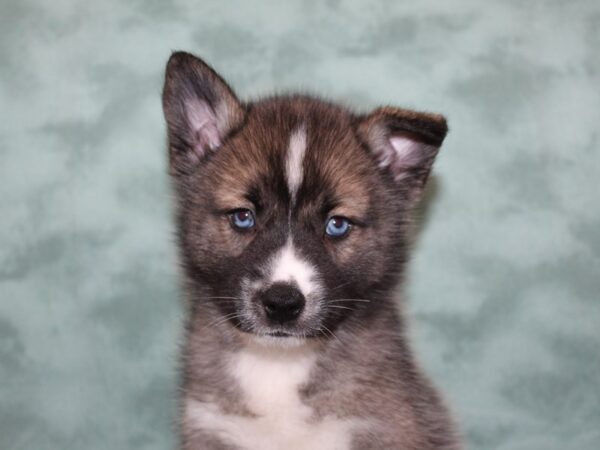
pixel 295 159
pixel 287 266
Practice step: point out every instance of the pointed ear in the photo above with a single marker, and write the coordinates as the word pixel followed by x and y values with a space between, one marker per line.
pixel 200 110
pixel 406 142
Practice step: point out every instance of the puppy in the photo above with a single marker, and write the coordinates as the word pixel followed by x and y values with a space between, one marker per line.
pixel 292 216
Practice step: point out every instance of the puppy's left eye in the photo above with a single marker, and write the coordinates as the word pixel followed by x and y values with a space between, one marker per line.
pixel 242 219
pixel 337 226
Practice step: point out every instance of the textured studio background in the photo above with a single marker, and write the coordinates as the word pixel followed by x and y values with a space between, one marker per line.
pixel 504 289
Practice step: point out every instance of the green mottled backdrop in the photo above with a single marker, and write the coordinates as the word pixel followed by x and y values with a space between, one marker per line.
pixel 505 282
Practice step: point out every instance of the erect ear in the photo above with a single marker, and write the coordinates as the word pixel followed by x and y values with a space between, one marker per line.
pixel 406 142
pixel 200 110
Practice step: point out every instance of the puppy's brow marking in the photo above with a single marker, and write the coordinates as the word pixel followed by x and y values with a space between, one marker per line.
pixel 295 159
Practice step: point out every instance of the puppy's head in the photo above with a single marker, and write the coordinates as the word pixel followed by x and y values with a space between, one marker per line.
pixel 292 211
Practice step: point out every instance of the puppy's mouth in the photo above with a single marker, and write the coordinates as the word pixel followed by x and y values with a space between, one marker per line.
pixel 280 334
pixel 281 338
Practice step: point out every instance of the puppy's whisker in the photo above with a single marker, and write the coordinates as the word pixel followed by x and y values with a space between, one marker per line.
pixel 349 300
pixel 223 319
pixel 339 286
pixel 341 307
pixel 331 333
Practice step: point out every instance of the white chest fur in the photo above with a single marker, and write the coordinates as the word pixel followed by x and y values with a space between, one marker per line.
pixel 269 379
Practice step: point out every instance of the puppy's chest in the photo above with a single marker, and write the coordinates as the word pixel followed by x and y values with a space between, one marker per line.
pixel 270 384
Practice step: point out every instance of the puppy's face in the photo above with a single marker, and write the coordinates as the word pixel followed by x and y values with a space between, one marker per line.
pixel 292 211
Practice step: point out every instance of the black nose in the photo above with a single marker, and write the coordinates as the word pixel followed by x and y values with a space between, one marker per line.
pixel 282 302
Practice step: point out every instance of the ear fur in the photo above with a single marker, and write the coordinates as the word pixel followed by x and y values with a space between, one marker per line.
pixel 200 110
pixel 406 142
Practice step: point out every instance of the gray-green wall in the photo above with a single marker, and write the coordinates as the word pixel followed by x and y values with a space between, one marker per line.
pixel 504 286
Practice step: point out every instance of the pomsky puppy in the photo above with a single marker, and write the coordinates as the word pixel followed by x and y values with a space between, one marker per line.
pixel 293 216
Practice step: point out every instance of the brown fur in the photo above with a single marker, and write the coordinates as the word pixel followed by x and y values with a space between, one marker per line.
pixel 364 367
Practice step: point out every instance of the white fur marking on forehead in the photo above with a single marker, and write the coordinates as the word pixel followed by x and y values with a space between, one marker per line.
pixel 287 266
pixel 295 159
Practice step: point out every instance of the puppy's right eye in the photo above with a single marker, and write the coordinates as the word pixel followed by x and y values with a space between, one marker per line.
pixel 242 219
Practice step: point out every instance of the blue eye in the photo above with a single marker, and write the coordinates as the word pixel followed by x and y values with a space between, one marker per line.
pixel 242 219
pixel 337 226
